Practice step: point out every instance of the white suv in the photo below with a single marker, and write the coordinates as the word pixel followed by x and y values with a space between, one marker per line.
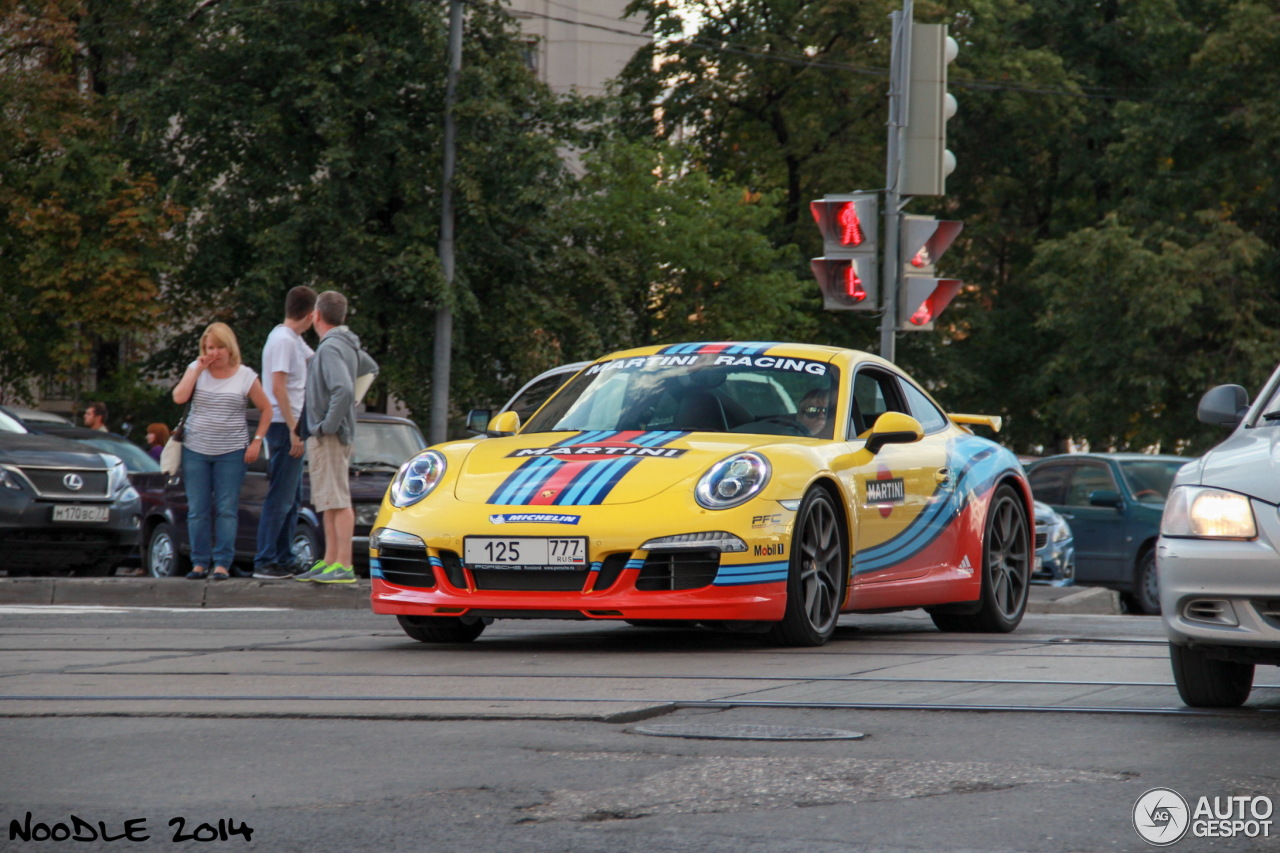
pixel 1218 556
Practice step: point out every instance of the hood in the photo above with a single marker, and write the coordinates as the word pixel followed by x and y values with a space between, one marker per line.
pixel 34 449
pixel 1247 462
pixel 586 468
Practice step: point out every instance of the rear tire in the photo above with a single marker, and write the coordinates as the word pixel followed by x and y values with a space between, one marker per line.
pixel 441 629
pixel 305 545
pixel 1006 570
pixel 1207 683
pixel 161 557
pixel 817 577
pixel 1146 585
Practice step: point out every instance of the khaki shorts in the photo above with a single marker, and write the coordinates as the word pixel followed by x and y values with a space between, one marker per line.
pixel 329 460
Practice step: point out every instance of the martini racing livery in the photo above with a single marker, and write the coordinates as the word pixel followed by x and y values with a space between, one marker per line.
pixel 756 487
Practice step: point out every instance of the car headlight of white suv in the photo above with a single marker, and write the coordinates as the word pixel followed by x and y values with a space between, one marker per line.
pixel 1201 512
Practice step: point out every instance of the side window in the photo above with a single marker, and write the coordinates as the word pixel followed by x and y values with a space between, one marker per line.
pixel 874 393
pixel 1049 483
pixel 1086 479
pixel 536 394
pixel 923 409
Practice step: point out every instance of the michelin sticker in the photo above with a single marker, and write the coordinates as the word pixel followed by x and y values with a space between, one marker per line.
pixel 533 518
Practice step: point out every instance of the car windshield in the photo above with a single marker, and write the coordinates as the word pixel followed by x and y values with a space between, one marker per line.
pixel 8 424
pixel 707 392
pixel 385 444
pixel 1150 480
pixel 136 460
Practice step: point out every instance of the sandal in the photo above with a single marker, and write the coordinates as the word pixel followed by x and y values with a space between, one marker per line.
pixel 220 573
pixel 197 574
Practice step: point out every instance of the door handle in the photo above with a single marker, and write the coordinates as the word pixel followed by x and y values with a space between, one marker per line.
pixel 943 476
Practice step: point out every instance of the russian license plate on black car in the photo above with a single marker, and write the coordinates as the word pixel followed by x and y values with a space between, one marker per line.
pixel 81 513
pixel 535 553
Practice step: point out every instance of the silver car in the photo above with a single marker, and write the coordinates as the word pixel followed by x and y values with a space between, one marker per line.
pixel 1218 555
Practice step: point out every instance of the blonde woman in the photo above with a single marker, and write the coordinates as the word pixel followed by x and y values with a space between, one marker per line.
pixel 217 447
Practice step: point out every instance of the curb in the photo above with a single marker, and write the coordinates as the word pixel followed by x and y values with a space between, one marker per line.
pixel 179 592
pixel 246 592
pixel 1086 600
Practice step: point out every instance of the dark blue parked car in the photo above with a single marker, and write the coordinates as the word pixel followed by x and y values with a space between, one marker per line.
pixel 1113 502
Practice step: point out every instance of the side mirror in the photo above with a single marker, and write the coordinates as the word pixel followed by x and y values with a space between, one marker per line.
pixel 1223 406
pixel 1106 497
pixel 478 420
pixel 504 424
pixel 894 428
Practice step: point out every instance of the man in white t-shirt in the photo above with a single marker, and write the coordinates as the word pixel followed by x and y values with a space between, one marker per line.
pixel 284 375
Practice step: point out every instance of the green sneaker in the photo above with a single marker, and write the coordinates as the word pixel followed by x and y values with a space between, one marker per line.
pixel 311 573
pixel 335 573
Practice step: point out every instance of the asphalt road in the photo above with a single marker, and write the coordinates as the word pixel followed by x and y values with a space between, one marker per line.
pixel 331 731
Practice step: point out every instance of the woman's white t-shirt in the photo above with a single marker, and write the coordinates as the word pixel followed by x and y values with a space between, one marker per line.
pixel 216 423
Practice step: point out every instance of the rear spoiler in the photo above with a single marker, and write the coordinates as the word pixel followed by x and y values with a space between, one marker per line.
pixel 994 422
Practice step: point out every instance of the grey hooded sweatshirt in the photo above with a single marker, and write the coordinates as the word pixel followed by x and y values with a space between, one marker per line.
pixel 331 382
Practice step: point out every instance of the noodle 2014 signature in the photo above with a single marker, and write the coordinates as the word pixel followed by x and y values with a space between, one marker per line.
pixel 76 828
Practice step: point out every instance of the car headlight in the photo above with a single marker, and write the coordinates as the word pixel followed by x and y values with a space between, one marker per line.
pixel 733 481
pixel 417 478
pixel 117 475
pixel 1061 532
pixel 1199 512
pixel 10 480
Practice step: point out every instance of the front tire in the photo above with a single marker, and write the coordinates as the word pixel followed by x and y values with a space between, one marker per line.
pixel 1207 683
pixel 817 577
pixel 1006 570
pixel 441 629
pixel 305 545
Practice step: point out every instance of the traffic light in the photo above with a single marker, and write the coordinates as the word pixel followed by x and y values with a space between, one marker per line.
pixel 926 162
pixel 922 295
pixel 847 271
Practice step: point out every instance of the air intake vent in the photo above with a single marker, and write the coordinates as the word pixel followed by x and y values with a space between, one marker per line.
pixel 1213 610
pixel 666 570
pixel 406 566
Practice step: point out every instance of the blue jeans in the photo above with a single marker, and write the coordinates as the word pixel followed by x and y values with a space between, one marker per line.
pixel 213 495
pixel 280 506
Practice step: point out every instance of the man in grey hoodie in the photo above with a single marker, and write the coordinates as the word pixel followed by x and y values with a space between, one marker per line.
pixel 331 421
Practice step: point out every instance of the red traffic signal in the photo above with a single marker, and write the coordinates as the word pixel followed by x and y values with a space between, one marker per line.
pixel 848 273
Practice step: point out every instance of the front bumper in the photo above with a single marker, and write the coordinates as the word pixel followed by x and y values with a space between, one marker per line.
pixel 1224 594
pixel 620 581
pixel 31 539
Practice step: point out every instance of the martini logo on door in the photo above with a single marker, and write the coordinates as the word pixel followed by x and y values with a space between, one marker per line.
pixel 890 491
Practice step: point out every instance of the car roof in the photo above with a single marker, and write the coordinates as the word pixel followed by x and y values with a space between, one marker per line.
pixel 1115 457
pixel 78 432
pixel 23 413
pixel 380 418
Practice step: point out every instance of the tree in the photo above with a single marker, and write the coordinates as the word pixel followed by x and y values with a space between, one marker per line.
pixel 83 233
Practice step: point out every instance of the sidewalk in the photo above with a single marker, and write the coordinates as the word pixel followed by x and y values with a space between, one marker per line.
pixel 294 595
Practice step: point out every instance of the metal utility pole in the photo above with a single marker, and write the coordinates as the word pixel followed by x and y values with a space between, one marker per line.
pixel 442 352
pixel 899 93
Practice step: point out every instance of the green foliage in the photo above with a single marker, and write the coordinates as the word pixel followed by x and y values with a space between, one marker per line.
pixel 83 241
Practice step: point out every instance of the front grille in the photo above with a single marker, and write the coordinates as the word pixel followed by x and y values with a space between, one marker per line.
pixel 51 483
pixel 406 566
pixel 1042 539
pixel 1270 611
pixel 519 579
pixel 667 570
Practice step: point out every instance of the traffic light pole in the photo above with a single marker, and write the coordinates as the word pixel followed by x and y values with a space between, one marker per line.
pixel 899 92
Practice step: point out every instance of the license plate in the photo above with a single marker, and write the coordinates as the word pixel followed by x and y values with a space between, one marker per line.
pixel 536 553
pixel 81 513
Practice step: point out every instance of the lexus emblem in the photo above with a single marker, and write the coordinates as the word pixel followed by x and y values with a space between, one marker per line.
pixel 74 482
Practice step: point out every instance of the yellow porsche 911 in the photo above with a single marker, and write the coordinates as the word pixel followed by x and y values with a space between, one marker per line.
pixel 743 486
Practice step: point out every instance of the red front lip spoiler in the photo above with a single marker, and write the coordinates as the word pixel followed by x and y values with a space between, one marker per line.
pixel 747 602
